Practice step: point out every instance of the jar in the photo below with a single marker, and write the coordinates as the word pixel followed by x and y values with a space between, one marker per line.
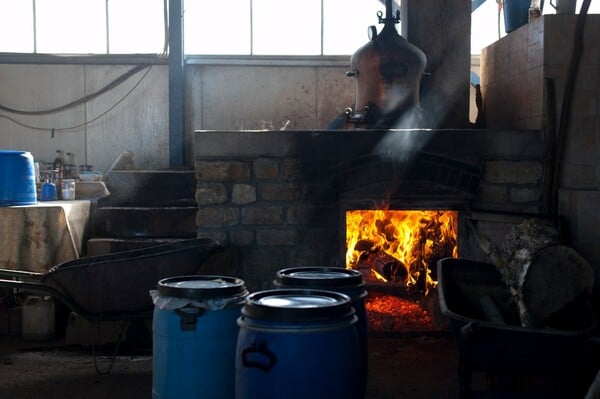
pixel 68 189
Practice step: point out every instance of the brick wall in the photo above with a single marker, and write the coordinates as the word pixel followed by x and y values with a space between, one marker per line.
pixel 514 72
pixel 274 198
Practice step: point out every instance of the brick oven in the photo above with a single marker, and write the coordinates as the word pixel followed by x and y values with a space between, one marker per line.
pixel 280 198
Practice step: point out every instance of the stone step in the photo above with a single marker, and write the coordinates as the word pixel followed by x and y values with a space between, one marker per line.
pixel 144 222
pixel 150 188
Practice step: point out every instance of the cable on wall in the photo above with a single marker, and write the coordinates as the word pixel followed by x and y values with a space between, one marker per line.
pixel 111 85
pixel 80 101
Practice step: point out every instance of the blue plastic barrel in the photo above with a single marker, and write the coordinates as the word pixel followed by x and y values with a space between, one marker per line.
pixel 346 281
pixel 194 336
pixel 516 14
pixel 297 344
pixel 17 178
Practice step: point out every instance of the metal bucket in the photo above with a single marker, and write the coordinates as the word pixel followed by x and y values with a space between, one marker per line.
pixel 194 336
pixel 297 344
pixel 346 281
pixel 17 178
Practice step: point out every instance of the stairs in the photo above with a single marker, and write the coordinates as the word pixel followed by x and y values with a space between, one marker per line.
pixel 145 207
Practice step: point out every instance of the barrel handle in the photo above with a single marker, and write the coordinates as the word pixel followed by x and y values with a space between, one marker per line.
pixel 261 350
pixel 188 318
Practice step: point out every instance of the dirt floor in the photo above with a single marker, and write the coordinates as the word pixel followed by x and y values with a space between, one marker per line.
pixel 421 367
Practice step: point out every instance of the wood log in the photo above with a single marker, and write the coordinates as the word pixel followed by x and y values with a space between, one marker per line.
pixel 387 266
pixel 542 276
pixel 556 278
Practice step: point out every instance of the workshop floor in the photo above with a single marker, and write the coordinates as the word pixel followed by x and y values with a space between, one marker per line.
pixel 421 367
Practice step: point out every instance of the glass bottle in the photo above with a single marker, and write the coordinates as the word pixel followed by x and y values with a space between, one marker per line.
pixel 69 168
pixel 58 163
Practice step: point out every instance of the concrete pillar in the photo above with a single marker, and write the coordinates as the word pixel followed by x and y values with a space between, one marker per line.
pixel 442 29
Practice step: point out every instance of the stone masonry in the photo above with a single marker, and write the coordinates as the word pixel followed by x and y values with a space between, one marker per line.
pixel 275 198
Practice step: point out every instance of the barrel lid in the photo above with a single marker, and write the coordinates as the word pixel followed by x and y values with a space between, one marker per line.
pixel 297 305
pixel 201 287
pixel 14 152
pixel 319 277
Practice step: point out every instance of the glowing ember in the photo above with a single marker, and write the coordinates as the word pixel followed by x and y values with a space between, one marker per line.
pixel 400 245
pixel 391 313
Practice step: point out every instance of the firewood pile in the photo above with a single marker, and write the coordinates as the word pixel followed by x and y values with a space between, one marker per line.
pixel 549 282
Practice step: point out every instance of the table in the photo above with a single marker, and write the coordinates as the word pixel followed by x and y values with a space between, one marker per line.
pixel 36 237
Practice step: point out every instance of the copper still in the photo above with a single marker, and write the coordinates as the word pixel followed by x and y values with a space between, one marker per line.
pixel 387 72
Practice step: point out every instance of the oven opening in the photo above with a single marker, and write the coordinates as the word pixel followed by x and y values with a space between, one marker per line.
pixel 396 251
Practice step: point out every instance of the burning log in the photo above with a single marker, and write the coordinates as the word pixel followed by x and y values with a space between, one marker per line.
pixel 543 277
pixel 385 265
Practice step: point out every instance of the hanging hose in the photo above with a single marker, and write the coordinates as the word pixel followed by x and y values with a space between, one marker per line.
pixel 567 100
pixel 500 5
pixel 113 356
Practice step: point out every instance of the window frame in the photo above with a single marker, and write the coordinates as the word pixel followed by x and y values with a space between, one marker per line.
pixel 190 58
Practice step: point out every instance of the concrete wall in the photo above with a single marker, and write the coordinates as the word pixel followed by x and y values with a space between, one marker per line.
pixel 275 199
pixel 138 123
pixel 514 74
pixel 442 29
pixel 218 96
pixel 238 97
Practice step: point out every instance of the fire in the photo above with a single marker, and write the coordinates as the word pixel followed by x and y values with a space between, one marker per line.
pixel 400 245
pixel 391 313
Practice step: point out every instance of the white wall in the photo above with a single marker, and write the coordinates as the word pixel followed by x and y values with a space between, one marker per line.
pixel 139 123
pixel 225 97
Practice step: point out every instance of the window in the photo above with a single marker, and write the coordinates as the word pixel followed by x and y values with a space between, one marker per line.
pixel 219 27
pixel 233 27
pixel 16 26
pixel 70 26
pixel 278 27
pixel 346 23
pixel 286 27
pixel 133 32
pixel 82 26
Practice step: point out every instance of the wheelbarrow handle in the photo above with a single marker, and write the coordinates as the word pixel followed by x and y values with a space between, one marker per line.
pixel 29 286
pixel 20 274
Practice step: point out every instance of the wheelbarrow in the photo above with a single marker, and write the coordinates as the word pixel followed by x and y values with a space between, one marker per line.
pixel 114 286
pixel 506 348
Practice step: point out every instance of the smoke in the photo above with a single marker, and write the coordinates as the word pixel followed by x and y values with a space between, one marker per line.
pixel 405 145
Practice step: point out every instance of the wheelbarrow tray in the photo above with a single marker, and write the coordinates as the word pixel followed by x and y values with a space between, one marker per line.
pixel 491 346
pixel 113 285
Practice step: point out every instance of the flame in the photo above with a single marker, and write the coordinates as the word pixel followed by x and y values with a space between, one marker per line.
pixel 414 239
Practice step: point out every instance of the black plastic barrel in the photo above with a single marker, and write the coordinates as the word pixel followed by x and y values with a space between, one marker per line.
pixel 194 336
pixel 346 281
pixel 297 344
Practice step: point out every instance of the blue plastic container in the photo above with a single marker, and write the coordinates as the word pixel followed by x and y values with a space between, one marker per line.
pixel 346 281
pixel 297 344
pixel 516 14
pixel 194 337
pixel 17 178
